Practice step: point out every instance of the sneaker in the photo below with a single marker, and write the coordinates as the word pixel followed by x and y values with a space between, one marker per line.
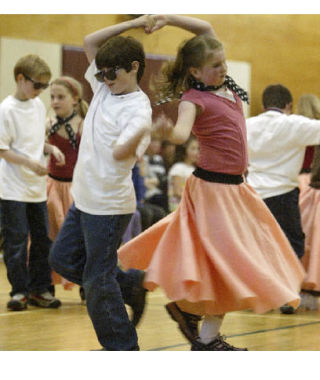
pixel 287 309
pixel 137 301
pixel 18 302
pixel 218 344
pixel 308 302
pixel 188 323
pixel 45 299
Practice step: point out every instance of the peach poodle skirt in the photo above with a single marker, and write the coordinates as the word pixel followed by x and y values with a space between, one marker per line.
pixel 59 202
pixel 309 202
pixel 221 249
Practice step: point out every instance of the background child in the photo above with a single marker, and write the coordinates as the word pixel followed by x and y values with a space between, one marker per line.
pixel 185 161
pixel 116 132
pixel 306 106
pixel 64 131
pixel 309 203
pixel 277 141
pixel 221 250
pixel 23 186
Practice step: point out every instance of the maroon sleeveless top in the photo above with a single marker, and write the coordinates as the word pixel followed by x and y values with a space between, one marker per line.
pixel 71 155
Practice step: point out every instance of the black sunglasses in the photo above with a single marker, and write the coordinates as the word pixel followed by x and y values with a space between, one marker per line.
pixel 110 74
pixel 37 85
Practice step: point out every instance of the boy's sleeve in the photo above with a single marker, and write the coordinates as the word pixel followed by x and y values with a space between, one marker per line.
pixel 134 125
pixel 89 76
pixel 6 134
pixel 304 131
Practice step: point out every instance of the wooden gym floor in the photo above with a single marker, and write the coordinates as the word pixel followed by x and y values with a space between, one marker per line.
pixel 69 328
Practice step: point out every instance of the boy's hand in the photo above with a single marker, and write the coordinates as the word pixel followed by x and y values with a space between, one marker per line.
pixel 158 22
pixel 162 126
pixel 58 155
pixel 36 167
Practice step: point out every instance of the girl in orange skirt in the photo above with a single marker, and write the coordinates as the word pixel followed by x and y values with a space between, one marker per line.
pixel 222 249
pixel 64 131
pixel 309 203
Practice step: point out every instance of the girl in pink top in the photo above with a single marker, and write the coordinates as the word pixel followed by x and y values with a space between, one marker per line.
pixel 222 249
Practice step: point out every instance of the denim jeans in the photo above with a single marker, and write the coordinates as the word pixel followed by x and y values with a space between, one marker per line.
pixel 85 252
pixel 18 220
pixel 285 208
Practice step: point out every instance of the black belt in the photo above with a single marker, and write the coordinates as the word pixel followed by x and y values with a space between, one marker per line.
pixel 231 179
pixel 60 178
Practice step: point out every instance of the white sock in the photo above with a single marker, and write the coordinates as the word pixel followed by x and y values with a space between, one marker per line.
pixel 210 328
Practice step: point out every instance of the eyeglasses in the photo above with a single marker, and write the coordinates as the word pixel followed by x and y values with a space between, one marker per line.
pixel 37 85
pixel 110 74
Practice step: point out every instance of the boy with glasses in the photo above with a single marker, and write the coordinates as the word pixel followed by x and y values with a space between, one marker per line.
pixel 116 132
pixel 23 208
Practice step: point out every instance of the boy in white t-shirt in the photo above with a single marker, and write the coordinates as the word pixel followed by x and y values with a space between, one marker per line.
pixel 116 132
pixel 276 145
pixel 23 194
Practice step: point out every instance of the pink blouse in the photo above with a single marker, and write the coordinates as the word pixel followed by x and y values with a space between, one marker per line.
pixel 221 132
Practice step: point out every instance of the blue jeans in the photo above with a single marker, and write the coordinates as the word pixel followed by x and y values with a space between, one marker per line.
pixel 18 220
pixel 85 252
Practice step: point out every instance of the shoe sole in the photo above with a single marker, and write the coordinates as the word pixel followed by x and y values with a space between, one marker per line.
pixel 53 305
pixel 176 315
pixel 17 308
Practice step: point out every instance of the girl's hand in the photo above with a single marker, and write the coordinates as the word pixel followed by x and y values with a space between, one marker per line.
pixel 159 21
pixel 58 155
pixel 36 167
pixel 144 21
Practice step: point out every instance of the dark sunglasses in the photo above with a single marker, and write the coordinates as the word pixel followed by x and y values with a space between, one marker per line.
pixel 110 74
pixel 37 85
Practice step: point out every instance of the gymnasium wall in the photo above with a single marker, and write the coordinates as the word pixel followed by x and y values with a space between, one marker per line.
pixel 280 48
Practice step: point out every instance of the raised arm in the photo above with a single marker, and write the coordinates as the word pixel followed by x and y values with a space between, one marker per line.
pixel 93 41
pixel 193 25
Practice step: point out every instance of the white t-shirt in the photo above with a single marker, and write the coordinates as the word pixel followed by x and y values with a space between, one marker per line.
pixel 180 169
pixel 22 129
pixel 276 147
pixel 102 185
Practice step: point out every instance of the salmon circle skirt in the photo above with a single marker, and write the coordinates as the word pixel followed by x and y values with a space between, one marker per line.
pixel 221 251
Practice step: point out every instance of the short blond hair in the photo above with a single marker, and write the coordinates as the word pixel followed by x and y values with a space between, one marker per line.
pixel 32 66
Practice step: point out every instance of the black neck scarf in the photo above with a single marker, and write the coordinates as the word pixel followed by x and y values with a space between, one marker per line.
pixel 229 83
pixel 65 121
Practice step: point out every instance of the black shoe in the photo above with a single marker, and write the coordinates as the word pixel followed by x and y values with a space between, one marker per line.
pixel 218 344
pixel 18 302
pixel 188 323
pixel 137 301
pixel 287 309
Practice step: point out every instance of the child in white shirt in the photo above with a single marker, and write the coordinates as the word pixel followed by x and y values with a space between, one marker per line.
pixel 116 132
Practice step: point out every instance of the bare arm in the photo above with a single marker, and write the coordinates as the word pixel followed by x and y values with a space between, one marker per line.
pixel 179 133
pixel 93 41
pixel 193 25
pixel 18 159
pixel 124 151
pixel 56 152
